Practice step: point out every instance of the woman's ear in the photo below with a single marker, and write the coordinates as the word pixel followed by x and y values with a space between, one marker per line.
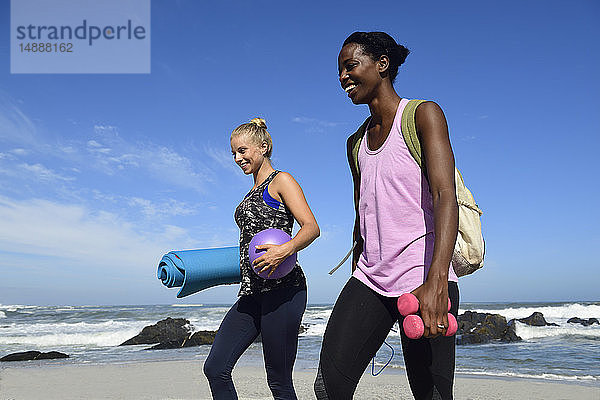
pixel 383 64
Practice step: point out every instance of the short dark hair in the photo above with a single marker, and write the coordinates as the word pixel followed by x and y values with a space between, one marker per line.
pixel 377 44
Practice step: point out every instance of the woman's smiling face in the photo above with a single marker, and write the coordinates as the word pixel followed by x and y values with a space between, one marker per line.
pixel 358 74
pixel 247 154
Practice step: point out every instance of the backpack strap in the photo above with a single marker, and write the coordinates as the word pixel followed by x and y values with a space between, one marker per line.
pixel 356 140
pixel 409 130
pixel 409 133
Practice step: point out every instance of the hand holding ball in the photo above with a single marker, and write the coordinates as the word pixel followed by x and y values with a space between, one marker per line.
pixel 271 236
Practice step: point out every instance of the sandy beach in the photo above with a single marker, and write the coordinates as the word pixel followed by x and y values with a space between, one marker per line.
pixel 184 380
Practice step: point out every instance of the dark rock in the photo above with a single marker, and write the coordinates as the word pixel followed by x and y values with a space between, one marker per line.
pixel 582 321
pixel 170 344
pixel 302 329
pixel 52 355
pixel 174 333
pixel 200 338
pixel 196 339
pixel 477 328
pixel 167 330
pixel 536 319
pixel 33 355
pixel 510 334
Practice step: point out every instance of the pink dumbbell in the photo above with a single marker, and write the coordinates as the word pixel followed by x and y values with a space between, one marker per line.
pixel 408 306
pixel 413 326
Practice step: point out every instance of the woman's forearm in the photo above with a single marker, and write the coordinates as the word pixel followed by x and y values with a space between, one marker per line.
pixel 305 236
pixel 445 212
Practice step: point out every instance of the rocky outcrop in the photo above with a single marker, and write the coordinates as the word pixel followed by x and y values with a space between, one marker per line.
pixel 477 328
pixel 171 333
pixel 33 355
pixel 196 339
pixel 582 321
pixel 174 333
pixel 303 328
pixel 536 319
pixel 167 330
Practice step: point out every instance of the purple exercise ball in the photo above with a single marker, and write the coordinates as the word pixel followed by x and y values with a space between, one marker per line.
pixel 271 236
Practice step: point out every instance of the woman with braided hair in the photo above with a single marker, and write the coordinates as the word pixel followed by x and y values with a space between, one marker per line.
pixel 272 308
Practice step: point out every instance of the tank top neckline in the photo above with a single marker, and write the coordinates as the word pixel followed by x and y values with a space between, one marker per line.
pixel 268 179
pixel 399 111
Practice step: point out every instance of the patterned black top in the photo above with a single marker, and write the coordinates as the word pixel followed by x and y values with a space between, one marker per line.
pixel 252 216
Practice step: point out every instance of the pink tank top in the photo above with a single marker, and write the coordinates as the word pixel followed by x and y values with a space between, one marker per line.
pixel 396 216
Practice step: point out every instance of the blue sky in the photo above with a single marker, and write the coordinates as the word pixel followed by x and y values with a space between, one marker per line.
pixel 102 174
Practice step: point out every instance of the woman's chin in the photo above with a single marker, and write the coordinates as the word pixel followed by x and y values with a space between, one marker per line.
pixel 356 100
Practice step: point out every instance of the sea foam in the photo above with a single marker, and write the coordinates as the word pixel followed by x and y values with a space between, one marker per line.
pixel 107 333
pixel 527 332
pixel 552 313
pixel 100 339
pixel 508 374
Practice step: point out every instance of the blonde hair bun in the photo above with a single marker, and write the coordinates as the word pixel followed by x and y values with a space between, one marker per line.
pixel 256 129
pixel 261 123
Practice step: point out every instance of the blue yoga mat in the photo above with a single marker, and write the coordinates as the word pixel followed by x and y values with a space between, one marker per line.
pixel 196 270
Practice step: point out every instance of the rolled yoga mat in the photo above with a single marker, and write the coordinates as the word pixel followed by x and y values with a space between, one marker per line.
pixel 196 270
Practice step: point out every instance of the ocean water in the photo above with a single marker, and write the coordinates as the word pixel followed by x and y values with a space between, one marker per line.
pixel 91 334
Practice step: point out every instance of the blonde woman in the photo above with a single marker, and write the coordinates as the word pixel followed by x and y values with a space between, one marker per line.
pixel 270 307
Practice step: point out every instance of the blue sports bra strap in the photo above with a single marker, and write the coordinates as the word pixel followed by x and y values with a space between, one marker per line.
pixel 271 202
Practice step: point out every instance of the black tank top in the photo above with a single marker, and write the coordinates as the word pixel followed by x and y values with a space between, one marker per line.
pixel 253 215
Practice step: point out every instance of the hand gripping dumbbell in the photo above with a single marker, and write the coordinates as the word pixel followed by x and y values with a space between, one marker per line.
pixel 408 306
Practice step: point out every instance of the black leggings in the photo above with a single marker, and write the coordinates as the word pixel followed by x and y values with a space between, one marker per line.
pixel 276 315
pixel 359 323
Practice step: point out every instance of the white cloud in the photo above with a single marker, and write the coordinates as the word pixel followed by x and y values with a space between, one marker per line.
pixel 31 173
pixel 15 126
pixel 315 125
pixel 111 153
pixel 220 156
pixel 172 167
pixel 151 210
pixel 107 151
pixel 42 228
pixel 93 143
pixel 41 173
pixel 169 208
pixel 105 128
pixel 68 149
pixel 224 159
pixel 20 152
